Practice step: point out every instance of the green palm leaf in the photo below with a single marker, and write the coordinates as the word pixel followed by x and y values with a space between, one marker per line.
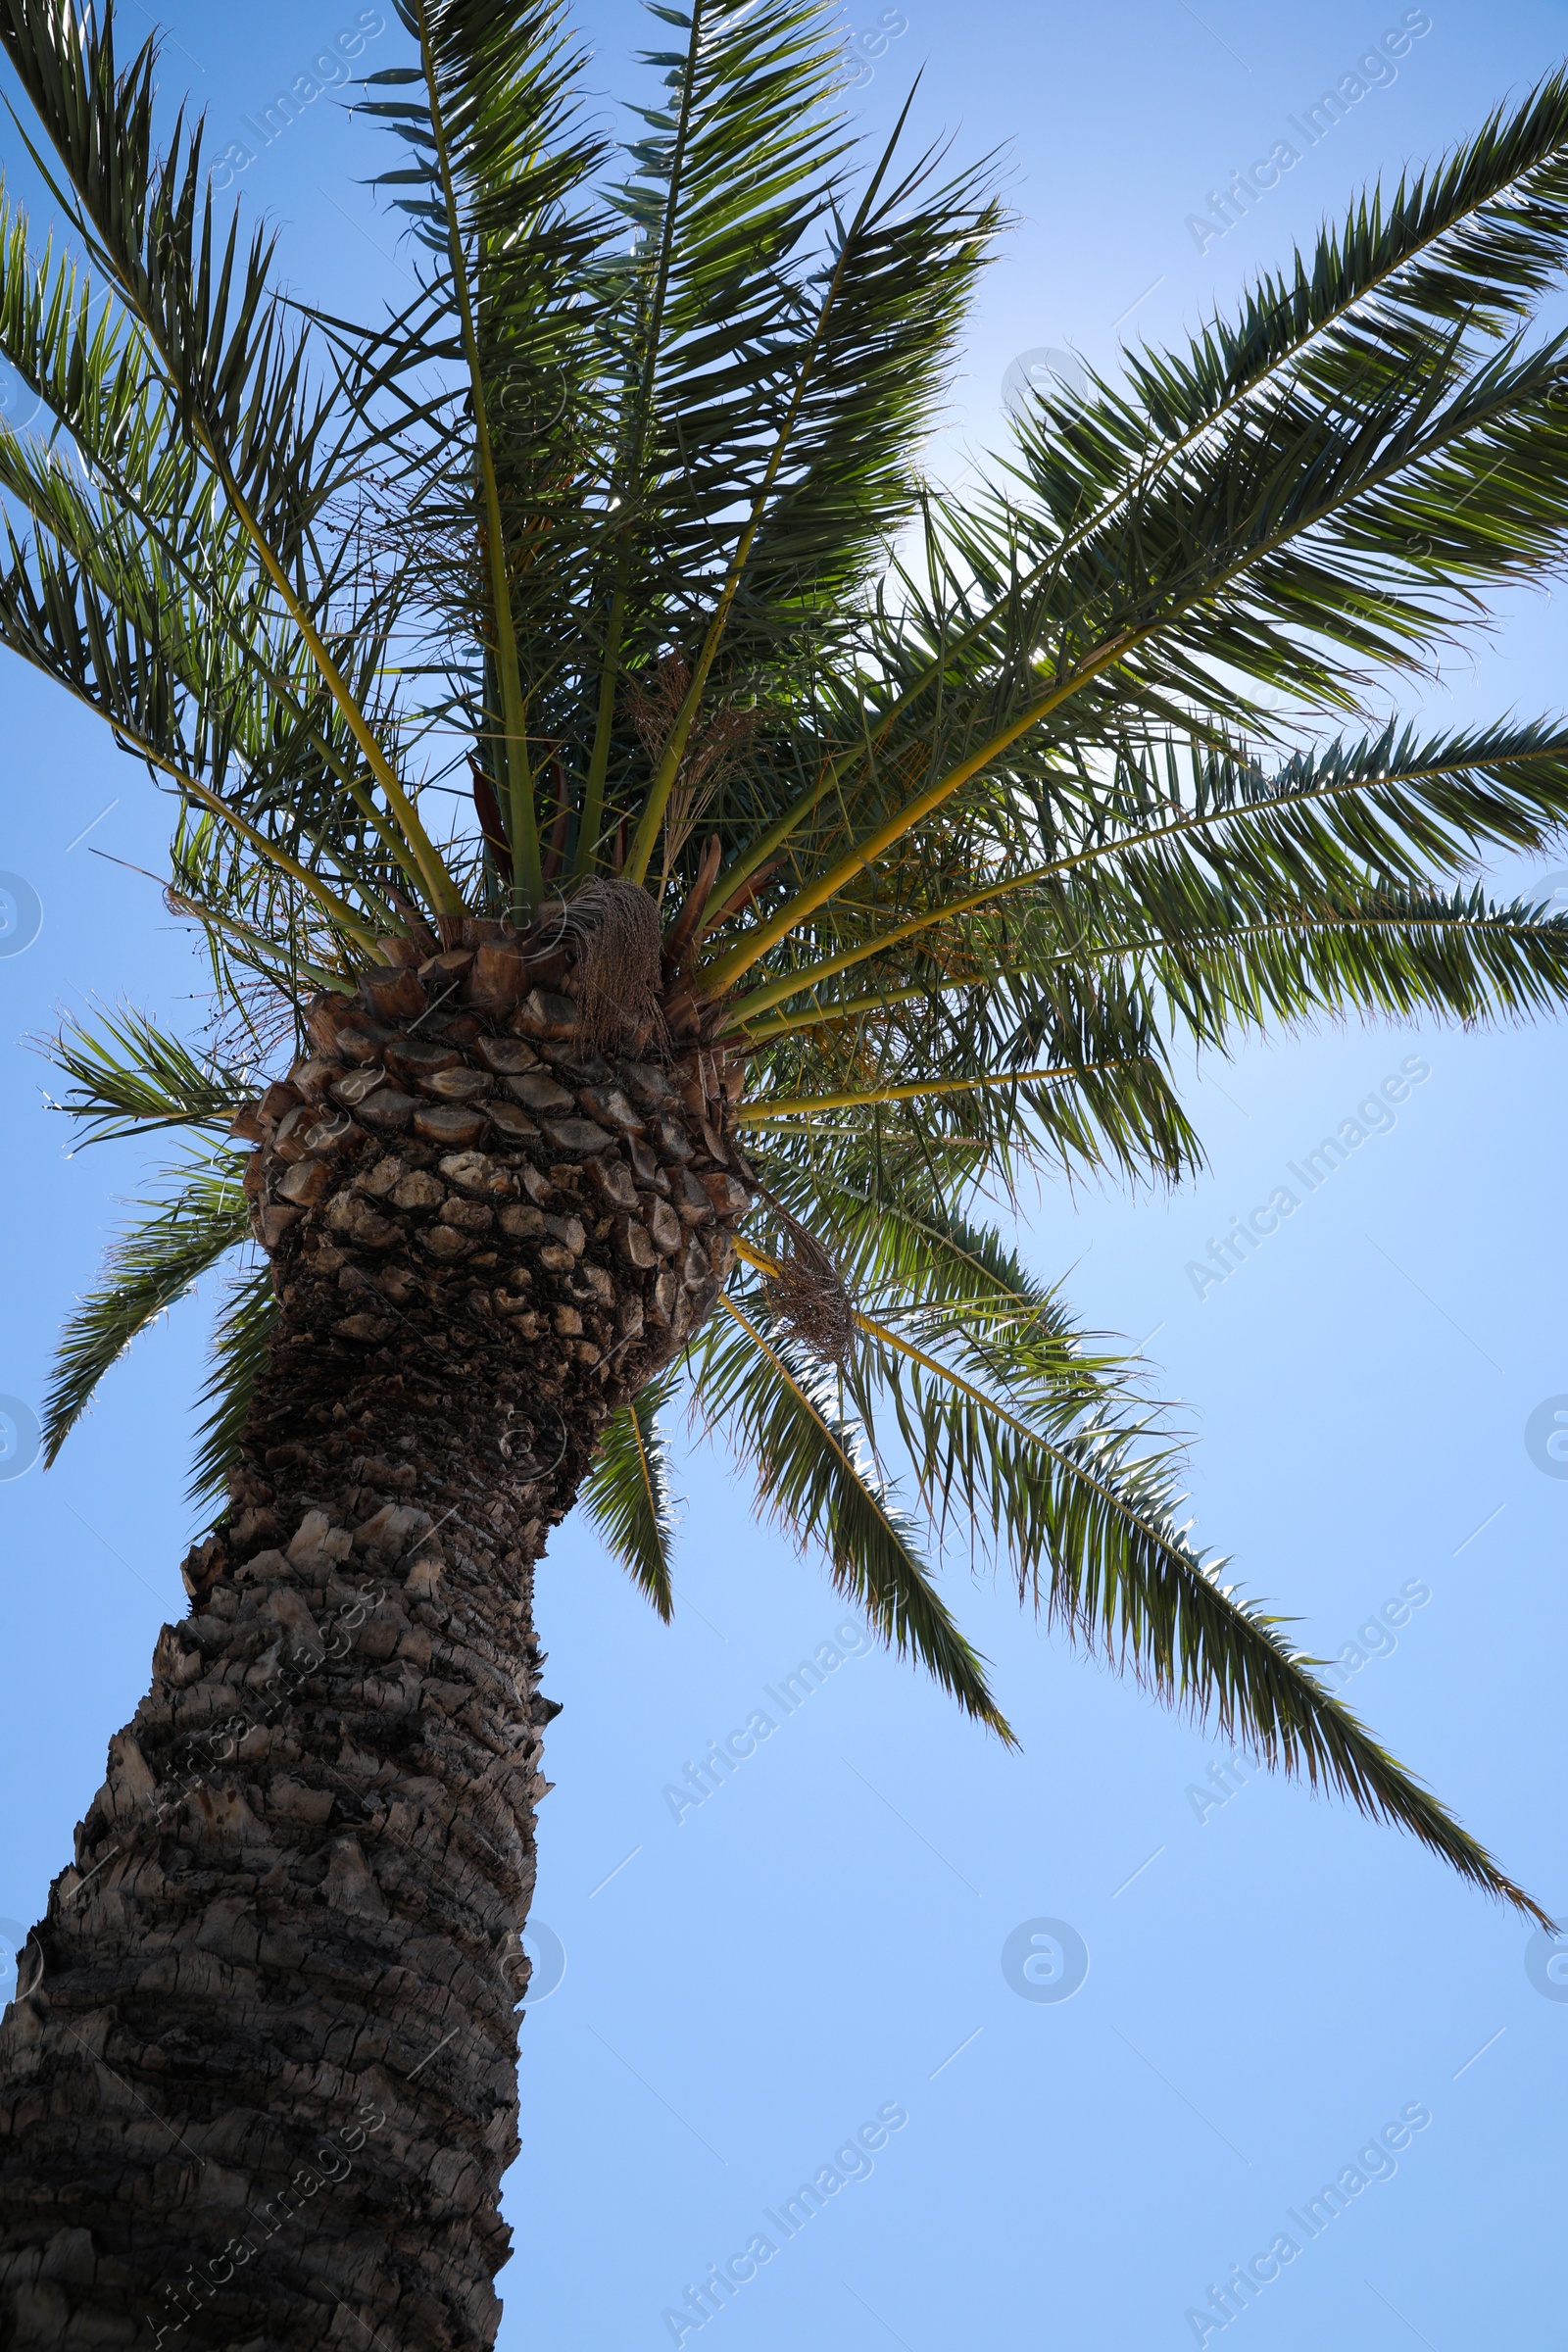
pixel 1086 1511
pixel 197 1222
pixel 773 1408
pixel 626 1494
pixel 240 1344
pixel 129 1077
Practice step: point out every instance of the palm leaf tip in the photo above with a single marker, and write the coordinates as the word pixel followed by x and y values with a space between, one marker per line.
pixel 1198 1644
pixel 1334 1746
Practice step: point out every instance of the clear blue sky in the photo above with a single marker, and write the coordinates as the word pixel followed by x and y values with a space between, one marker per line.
pixel 823 1939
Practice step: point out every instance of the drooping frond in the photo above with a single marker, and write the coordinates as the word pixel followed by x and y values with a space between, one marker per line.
pixel 1081 1497
pixel 626 1494
pixel 775 1410
pixel 240 1345
pixel 198 1220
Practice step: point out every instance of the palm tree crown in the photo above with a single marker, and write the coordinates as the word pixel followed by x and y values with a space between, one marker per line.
pixel 955 818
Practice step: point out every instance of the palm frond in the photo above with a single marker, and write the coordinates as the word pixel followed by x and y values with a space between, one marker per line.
pixel 129 1077
pixel 1386 952
pixel 773 1407
pixel 201 1216
pixel 239 1353
pixel 626 1492
pixel 1086 1505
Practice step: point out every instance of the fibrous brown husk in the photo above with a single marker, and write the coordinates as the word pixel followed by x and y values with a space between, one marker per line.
pixel 617 929
pixel 808 1295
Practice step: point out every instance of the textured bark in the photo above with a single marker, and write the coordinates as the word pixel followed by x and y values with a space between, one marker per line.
pixel 259 2087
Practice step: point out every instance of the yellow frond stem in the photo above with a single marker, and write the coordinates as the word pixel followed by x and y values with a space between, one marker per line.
pixel 762 1114
pixel 728 970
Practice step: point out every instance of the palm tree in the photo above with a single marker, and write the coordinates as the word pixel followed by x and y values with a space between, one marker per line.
pixel 837 852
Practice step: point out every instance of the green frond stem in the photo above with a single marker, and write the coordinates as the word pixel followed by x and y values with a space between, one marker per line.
pixel 794 983
pixel 930 1144
pixel 907 1617
pixel 663 782
pixel 1108 952
pixel 849 1006
pixel 443 891
pixel 822 1013
pixel 723 975
pixel 527 870
pixel 637 444
pixel 763 1113
pixel 394 842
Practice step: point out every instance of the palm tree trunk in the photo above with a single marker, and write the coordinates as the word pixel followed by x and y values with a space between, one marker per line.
pixel 259 2085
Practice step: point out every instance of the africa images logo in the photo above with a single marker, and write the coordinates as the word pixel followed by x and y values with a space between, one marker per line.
pixel 1547 1436
pixel 1045 1960
pixel 1374 1115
